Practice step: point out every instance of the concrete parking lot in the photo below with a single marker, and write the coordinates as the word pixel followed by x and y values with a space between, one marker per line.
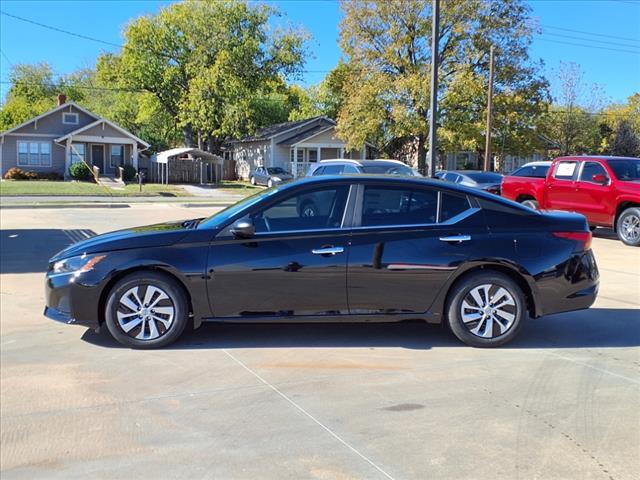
pixel 400 401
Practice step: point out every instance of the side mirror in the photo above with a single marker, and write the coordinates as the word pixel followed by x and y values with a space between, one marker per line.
pixel 600 178
pixel 243 229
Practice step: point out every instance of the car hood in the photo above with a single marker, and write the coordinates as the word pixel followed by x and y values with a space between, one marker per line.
pixel 157 235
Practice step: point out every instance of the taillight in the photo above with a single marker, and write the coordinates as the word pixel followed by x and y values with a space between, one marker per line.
pixel 582 239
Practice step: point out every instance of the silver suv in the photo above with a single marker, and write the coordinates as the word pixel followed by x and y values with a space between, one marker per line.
pixel 345 166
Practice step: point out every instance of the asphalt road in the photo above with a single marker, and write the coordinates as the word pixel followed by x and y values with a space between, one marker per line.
pixel 400 401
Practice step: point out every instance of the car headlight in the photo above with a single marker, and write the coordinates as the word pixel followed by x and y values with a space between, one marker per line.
pixel 80 264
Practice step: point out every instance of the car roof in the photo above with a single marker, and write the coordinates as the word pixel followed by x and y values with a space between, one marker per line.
pixel 541 163
pixel 362 163
pixel 596 157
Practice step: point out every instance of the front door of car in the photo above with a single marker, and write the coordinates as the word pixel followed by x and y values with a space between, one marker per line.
pixel 406 244
pixel 591 195
pixel 561 185
pixel 294 266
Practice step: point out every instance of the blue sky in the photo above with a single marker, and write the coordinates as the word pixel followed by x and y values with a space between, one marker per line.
pixel 614 63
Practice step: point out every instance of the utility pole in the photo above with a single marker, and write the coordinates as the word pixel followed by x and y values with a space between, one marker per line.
pixel 433 116
pixel 487 147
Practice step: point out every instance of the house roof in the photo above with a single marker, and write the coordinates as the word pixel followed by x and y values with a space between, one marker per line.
pixel 305 134
pixel 277 129
pixel 49 112
pixel 98 122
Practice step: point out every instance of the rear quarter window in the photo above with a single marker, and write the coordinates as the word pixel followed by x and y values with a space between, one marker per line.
pixel 452 205
pixel 565 170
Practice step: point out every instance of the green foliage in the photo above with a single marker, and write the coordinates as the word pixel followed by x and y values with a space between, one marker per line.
pixel 389 59
pixel 128 172
pixel 626 142
pixel 210 65
pixel 16 173
pixel 80 171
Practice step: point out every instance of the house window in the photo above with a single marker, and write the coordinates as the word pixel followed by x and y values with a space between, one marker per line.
pixel 34 154
pixel 117 154
pixel 78 153
pixel 300 155
pixel 313 155
pixel 69 118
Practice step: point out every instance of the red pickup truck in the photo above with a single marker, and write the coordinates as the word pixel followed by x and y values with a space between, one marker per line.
pixel 606 190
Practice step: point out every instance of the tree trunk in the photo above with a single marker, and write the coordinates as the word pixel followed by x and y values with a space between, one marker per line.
pixel 422 156
pixel 187 132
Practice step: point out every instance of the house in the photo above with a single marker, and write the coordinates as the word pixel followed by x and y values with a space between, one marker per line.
pixel 51 142
pixel 293 146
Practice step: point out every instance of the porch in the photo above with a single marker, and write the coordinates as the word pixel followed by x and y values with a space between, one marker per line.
pixel 302 156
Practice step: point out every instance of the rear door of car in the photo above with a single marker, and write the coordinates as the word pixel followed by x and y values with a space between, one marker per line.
pixel 561 186
pixel 591 198
pixel 407 241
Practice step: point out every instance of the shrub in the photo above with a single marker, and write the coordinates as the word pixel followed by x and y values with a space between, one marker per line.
pixel 50 176
pixel 16 173
pixel 128 173
pixel 80 171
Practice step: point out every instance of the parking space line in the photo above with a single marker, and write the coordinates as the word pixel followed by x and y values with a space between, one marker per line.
pixel 301 409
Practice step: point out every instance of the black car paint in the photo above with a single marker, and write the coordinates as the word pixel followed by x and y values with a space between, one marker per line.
pixel 385 273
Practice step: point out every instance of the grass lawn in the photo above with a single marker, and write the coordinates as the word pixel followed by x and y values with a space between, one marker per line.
pixel 47 187
pixel 54 188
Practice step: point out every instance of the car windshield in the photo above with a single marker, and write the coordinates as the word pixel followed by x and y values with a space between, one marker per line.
pixel 221 217
pixel 388 169
pixel 484 177
pixel 274 170
pixel 625 169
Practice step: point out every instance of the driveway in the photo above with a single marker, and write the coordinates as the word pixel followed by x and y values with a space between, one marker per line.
pixel 397 401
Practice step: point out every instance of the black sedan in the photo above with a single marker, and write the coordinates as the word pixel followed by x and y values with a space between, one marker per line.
pixel 487 181
pixel 381 249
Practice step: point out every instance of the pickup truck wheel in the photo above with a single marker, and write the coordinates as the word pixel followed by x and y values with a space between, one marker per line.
pixel 629 227
pixel 533 204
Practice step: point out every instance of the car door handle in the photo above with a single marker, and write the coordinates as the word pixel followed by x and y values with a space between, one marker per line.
pixel 456 238
pixel 327 250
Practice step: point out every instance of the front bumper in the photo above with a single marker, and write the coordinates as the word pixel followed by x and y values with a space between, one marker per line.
pixel 71 299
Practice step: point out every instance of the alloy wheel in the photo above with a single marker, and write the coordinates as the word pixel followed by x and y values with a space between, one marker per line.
pixel 488 310
pixel 631 228
pixel 145 312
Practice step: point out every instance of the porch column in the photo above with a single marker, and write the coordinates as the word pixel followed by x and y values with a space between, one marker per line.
pixel 67 157
pixel 341 152
pixel 295 162
pixel 318 155
pixel 135 155
pixel 362 152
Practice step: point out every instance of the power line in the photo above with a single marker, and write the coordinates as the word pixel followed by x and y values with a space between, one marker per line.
pixel 591 40
pixel 60 30
pixel 592 33
pixel 590 46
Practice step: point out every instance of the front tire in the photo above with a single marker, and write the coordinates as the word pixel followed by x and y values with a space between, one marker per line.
pixel 252 180
pixel 532 204
pixel 146 310
pixel 628 227
pixel 486 309
pixel 270 183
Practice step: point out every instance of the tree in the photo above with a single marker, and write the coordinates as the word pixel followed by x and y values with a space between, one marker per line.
pixel 572 122
pixel 626 143
pixel 32 92
pixel 386 45
pixel 326 98
pixel 210 64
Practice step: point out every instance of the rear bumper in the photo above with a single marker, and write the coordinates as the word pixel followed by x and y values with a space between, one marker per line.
pixel 573 286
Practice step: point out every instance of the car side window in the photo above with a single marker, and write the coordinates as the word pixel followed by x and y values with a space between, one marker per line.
pixel 565 170
pixel 333 169
pixel 259 170
pixel 318 171
pixel 523 172
pixel 318 209
pixel 452 205
pixel 350 169
pixel 590 169
pixel 398 206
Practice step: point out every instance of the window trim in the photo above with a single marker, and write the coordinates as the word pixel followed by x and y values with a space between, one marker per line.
pixel 38 155
pixel 74 114
pixel 582 167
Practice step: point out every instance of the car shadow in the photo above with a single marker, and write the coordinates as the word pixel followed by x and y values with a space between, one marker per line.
pixel 29 251
pixel 605 233
pixel 593 328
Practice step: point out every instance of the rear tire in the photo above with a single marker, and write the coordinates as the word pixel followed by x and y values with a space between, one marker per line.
pixel 146 310
pixel 486 309
pixel 628 227
pixel 252 180
pixel 269 183
pixel 533 204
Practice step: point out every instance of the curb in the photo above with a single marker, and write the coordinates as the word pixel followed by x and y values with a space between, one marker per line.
pixel 19 206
